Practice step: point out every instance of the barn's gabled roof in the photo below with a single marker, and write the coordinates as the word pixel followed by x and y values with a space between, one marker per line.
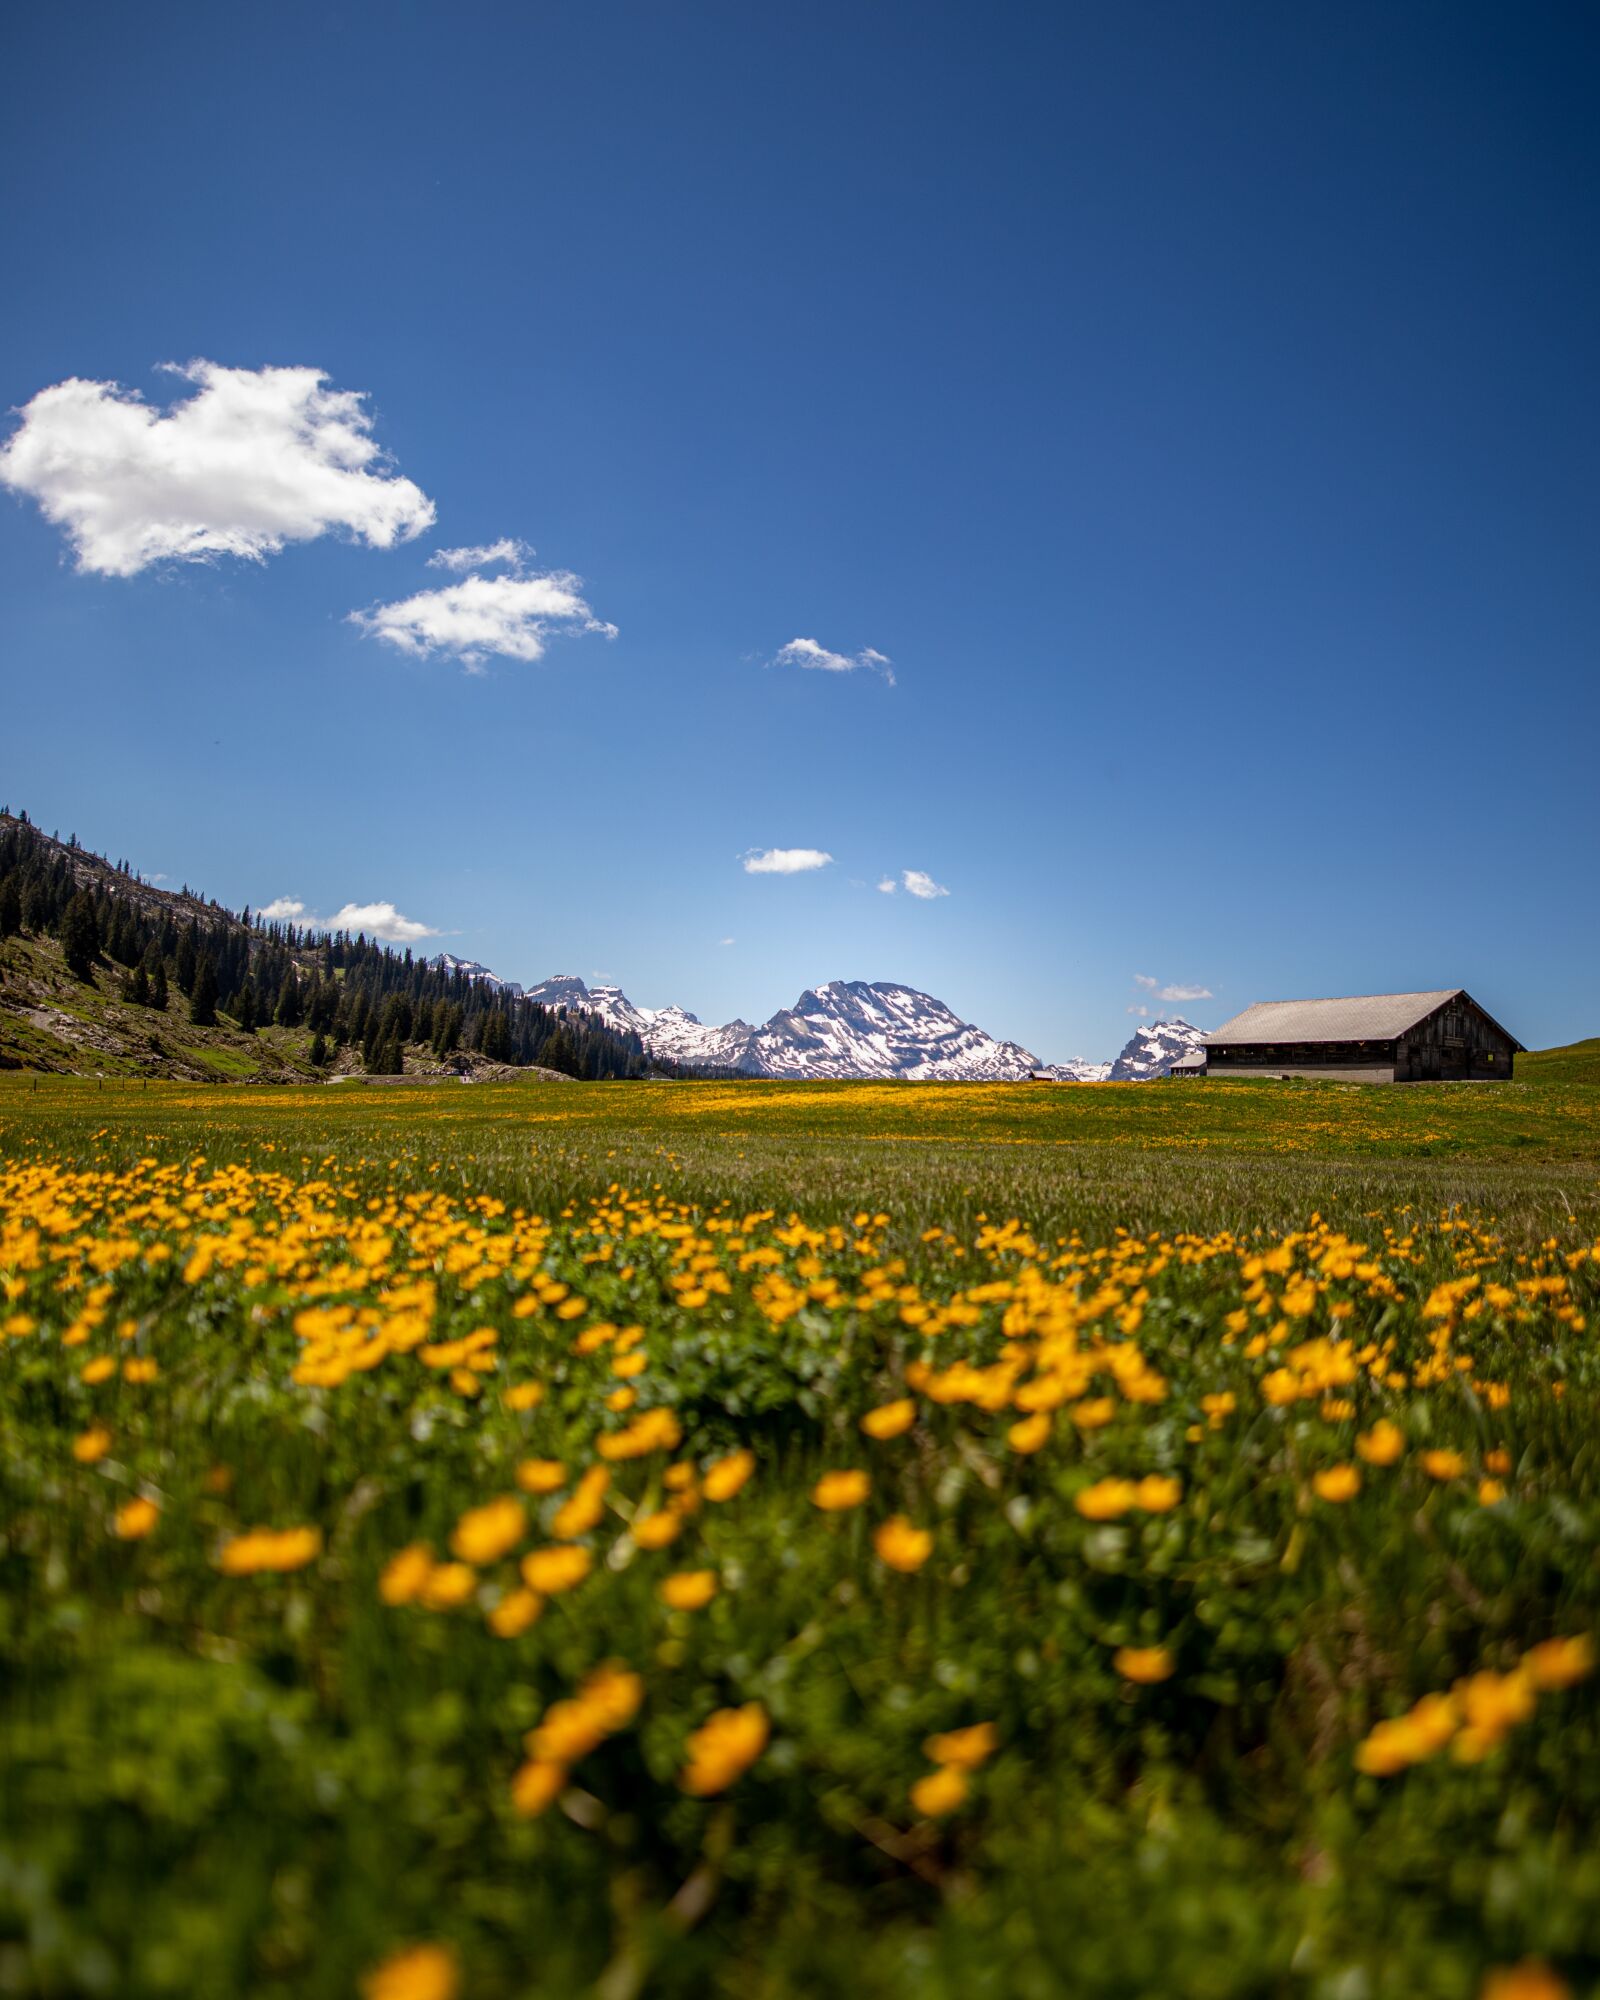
pixel 1367 1017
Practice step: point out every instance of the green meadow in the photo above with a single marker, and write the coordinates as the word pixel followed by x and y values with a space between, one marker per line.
pixel 759 1539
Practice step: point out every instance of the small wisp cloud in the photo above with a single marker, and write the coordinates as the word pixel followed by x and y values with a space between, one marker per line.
pixel 784 860
pixel 1175 991
pixel 254 459
pixel 807 653
pixel 916 882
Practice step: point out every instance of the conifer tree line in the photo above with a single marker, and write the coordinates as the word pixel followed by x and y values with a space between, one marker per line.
pixel 168 952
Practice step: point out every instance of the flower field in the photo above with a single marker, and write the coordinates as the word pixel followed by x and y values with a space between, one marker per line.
pixel 555 1540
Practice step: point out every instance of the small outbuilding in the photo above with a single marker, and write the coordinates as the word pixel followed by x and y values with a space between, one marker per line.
pixel 1370 1038
pixel 1193 1064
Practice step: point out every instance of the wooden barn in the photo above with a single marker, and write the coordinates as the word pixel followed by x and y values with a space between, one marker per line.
pixel 1372 1038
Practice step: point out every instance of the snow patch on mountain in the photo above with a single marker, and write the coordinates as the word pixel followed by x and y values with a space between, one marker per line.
pixel 470 969
pixel 847 1028
pixel 1151 1052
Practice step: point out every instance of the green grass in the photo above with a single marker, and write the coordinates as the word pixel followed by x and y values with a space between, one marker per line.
pixel 263 1784
pixel 1578 1062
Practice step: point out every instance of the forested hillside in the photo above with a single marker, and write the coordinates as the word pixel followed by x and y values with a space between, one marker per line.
pixel 101 971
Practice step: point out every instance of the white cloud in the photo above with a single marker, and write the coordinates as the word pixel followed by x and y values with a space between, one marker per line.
pixel 807 653
pixel 514 616
pixel 255 458
pixel 922 886
pixel 724 940
pixel 1175 991
pixel 784 860
pixel 887 886
pixel 484 556
pixel 1142 1012
pixel 378 920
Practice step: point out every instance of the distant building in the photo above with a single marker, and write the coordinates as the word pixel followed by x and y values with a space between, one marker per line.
pixel 1373 1038
pixel 1193 1064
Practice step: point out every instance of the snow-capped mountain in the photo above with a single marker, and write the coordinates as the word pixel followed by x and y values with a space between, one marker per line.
pixel 1151 1052
pixel 846 1028
pixel 469 968
pixel 1074 1070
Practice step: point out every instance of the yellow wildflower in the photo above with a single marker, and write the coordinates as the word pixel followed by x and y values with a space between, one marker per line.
pixel 485 1534
pixel 967 1748
pixel 901 1545
pixel 836 1492
pixel 553 1570
pixel 724 1478
pixel 135 1518
pixel 890 1420
pixel 405 1573
pixel 940 1792
pixel 420 1972
pixel 688 1590
pixel 1144 1664
pixel 723 1748
pixel 1336 1484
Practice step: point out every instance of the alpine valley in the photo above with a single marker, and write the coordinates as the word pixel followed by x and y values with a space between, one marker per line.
pixel 848 1028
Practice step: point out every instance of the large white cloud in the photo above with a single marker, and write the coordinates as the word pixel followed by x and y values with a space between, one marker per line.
pixel 784 860
pixel 379 920
pixel 513 616
pixel 255 458
pixel 807 653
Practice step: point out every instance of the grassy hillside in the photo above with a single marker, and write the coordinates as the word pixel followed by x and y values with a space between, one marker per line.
pixel 53 1021
pixel 1578 1062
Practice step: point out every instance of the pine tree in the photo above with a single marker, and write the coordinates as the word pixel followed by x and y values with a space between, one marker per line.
pixel 203 1001
pixel 247 1008
pixel 287 1012
pixel 188 957
pixel 136 987
pixel 10 908
pixel 158 985
pixel 319 1051
pixel 80 935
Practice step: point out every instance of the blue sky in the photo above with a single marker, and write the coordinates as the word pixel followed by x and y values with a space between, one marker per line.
pixel 1196 406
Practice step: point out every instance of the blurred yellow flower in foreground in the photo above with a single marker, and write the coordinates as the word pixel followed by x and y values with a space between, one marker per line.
pixel 940 1792
pixel 1145 1664
pixel 1383 1444
pixel 1532 1979
pixel 90 1446
pixel 135 1518
pixel 269 1549
pixel 835 1492
pixel 485 1534
pixel 723 1748
pixel 420 1972
pixel 967 1748
pixel 405 1573
pixel 1337 1484
pixel 688 1590
pixel 1560 1663
pixel 890 1420
pixel 537 1786
pixel 724 1479
pixel 902 1545
pixel 553 1570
